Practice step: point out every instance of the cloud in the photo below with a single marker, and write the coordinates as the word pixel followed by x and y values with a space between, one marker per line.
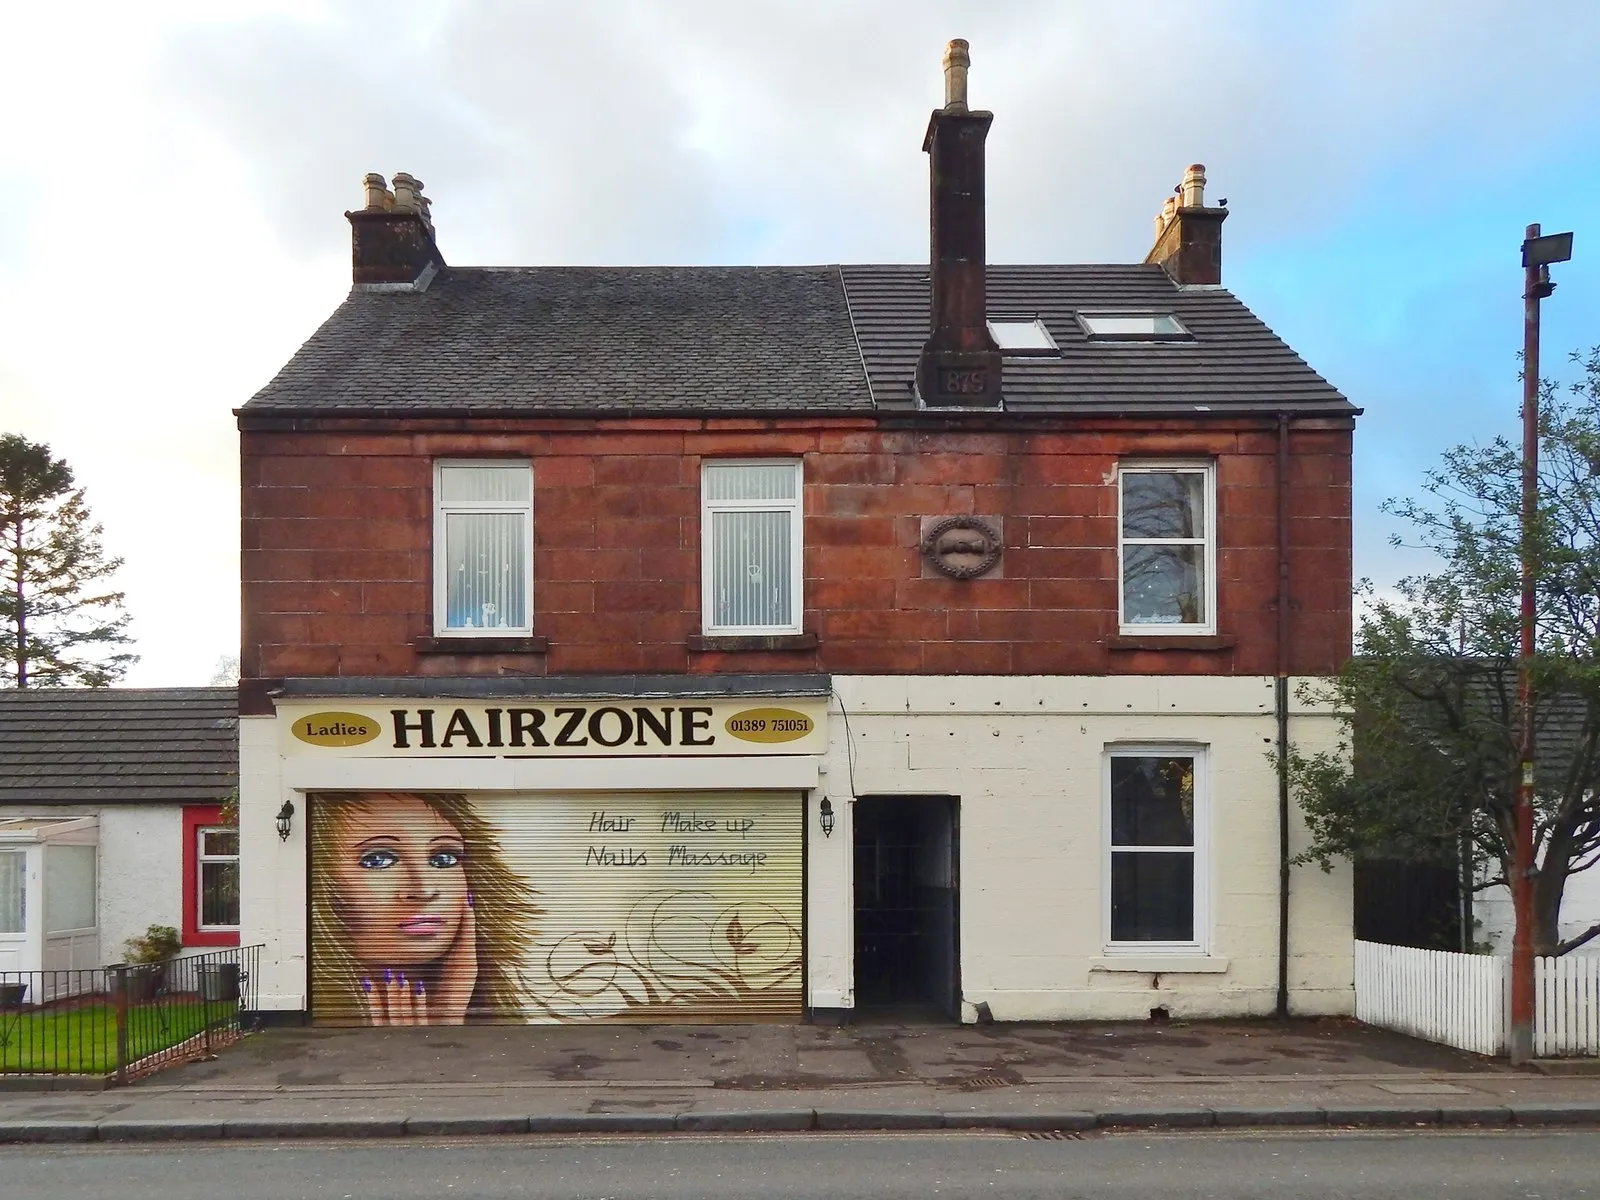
pixel 641 132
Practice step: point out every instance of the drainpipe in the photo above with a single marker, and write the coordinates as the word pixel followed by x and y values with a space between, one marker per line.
pixel 1281 705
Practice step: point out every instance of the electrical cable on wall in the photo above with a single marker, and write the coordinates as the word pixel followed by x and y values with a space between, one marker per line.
pixel 849 743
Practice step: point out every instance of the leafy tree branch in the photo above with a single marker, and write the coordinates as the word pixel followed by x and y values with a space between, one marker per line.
pixel 1430 758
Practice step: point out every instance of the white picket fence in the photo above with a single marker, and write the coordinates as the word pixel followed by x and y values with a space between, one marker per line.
pixel 1567 994
pixel 1462 1000
pixel 1456 999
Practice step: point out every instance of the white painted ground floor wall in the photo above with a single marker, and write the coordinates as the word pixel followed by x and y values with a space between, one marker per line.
pixel 141 872
pixel 1025 758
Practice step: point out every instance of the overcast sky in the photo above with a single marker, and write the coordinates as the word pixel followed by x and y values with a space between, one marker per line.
pixel 173 177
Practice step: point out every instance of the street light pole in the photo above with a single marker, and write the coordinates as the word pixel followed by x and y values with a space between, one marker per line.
pixel 1537 255
pixel 1522 815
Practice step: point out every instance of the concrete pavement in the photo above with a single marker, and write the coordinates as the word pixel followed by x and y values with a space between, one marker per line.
pixel 437 1081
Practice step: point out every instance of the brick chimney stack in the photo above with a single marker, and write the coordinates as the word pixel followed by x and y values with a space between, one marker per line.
pixel 391 239
pixel 960 364
pixel 1188 234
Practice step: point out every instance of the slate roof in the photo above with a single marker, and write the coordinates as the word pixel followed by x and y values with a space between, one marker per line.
pixel 578 340
pixel 684 341
pixel 1234 362
pixel 118 745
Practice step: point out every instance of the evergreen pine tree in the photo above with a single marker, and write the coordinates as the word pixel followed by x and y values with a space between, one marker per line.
pixel 59 626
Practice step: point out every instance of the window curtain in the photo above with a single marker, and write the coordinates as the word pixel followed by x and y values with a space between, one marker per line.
pixel 13 885
pixel 487 570
pixel 750 568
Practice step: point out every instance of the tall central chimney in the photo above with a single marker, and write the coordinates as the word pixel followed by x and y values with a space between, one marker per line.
pixel 960 364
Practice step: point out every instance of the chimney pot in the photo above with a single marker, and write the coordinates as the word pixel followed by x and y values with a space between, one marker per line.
pixel 957 58
pixel 1194 186
pixel 379 197
pixel 407 192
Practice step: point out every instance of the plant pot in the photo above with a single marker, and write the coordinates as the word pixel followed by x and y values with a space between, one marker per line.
pixel 219 981
pixel 12 994
pixel 136 984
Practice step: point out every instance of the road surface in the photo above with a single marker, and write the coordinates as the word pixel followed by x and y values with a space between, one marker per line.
pixel 1401 1166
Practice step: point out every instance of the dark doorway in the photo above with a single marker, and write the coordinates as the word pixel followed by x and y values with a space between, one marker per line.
pixel 907 911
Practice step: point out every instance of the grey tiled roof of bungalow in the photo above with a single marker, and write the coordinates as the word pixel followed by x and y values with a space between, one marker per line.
pixel 805 340
pixel 118 745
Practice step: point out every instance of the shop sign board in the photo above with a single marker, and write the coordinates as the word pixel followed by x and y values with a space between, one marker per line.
pixel 410 728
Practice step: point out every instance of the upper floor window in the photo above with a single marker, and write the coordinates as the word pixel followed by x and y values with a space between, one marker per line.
pixel 1167 548
pixel 482 548
pixel 750 547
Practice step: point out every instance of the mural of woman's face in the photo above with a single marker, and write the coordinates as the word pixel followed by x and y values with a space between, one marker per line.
pixel 400 871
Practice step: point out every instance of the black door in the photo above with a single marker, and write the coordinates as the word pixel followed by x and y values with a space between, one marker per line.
pixel 906 905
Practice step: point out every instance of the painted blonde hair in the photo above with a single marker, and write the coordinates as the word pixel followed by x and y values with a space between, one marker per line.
pixel 503 906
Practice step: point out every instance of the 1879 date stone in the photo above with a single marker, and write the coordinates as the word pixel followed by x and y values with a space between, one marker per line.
pixel 964 383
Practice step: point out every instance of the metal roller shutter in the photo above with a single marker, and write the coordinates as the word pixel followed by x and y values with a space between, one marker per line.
pixel 436 908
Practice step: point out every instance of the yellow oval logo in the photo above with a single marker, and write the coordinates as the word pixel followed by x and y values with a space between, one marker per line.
pixel 769 725
pixel 336 729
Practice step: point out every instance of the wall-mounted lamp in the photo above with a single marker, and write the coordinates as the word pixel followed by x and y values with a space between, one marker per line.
pixel 826 809
pixel 285 817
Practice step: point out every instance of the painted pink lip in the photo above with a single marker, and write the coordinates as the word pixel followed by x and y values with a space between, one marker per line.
pixel 422 926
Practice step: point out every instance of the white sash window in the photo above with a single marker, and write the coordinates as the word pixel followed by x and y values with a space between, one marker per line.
pixel 1156 869
pixel 750 547
pixel 1167 549
pixel 483 549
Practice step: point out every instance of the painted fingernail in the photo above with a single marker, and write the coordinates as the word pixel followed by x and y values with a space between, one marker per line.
pixel 401 979
pixel 366 985
pixel 469 899
pixel 388 975
pixel 419 987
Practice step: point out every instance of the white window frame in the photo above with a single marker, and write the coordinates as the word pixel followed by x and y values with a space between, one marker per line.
pixel 1201 850
pixel 1208 627
pixel 796 509
pixel 201 858
pixel 1086 322
pixel 441 509
pixel 1043 347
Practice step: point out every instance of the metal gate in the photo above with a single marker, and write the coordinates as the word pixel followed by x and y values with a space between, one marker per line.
pixel 438 908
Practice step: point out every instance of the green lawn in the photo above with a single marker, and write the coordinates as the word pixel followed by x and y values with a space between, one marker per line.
pixel 83 1039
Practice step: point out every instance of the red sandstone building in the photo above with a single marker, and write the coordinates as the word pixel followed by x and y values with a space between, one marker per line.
pixel 750 643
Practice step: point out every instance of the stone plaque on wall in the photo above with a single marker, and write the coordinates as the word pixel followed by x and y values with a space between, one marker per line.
pixel 962 547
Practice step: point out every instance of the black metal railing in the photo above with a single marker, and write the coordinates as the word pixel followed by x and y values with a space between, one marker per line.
pixel 124 1020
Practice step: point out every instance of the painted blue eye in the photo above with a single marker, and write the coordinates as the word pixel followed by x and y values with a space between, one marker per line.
pixel 378 860
pixel 444 859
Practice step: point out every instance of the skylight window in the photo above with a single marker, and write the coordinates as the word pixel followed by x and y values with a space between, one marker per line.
pixel 1022 335
pixel 1133 327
